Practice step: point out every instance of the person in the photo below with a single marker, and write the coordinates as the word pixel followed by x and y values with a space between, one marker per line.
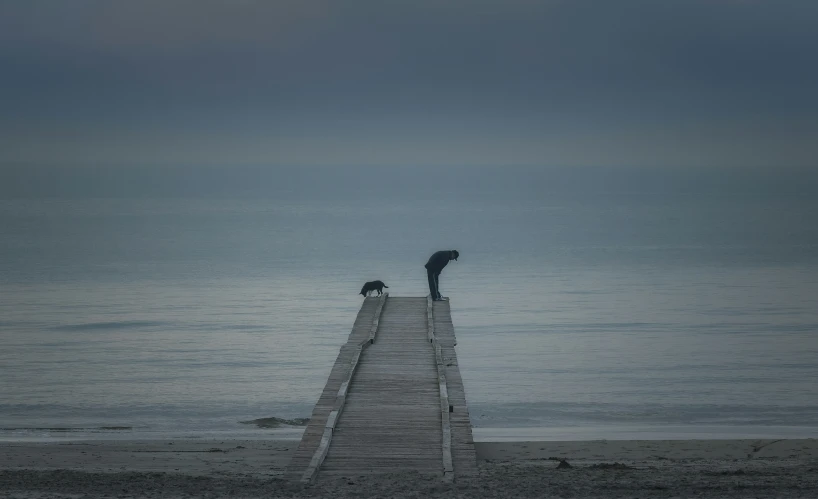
pixel 434 266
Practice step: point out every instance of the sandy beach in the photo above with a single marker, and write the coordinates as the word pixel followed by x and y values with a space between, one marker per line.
pixel 253 468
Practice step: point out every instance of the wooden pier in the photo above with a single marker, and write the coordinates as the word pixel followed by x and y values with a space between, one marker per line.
pixel 394 400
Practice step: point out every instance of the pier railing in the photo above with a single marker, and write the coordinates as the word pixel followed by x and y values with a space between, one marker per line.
pixel 445 407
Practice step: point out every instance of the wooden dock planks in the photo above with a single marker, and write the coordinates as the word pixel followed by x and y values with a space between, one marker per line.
pixel 313 434
pixel 464 458
pixel 392 418
pixel 391 422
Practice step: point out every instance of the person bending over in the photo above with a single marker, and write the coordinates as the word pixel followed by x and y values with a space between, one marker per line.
pixel 435 266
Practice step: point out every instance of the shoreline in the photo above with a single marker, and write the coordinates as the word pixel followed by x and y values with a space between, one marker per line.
pixel 730 468
pixel 480 434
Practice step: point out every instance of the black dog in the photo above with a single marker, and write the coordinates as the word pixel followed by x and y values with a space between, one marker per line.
pixel 373 286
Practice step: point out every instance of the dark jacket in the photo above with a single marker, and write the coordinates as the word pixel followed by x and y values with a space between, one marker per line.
pixel 438 261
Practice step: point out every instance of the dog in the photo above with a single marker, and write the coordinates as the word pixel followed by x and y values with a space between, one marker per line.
pixel 373 286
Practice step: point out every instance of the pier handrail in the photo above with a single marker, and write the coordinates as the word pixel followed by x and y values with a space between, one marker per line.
pixel 340 399
pixel 445 408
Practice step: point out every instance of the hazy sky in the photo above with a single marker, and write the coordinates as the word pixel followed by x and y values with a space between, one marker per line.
pixel 295 82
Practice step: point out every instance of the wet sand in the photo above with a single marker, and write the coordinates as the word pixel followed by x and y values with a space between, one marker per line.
pixel 253 468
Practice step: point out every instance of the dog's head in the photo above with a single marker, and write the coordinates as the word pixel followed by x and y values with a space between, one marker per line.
pixel 455 254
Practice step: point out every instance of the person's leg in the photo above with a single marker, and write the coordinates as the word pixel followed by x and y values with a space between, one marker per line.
pixel 432 284
pixel 437 286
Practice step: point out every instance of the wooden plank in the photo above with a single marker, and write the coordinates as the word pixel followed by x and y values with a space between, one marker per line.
pixel 430 321
pixel 393 405
pixel 338 404
pixel 376 320
pixel 333 417
pixel 391 420
pixel 446 434
pixel 319 456
pixel 463 454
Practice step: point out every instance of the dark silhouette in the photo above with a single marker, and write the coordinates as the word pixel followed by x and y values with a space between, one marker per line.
pixel 373 286
pixel 435 266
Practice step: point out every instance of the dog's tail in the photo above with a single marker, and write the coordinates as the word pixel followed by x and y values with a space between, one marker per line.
pixel 385 286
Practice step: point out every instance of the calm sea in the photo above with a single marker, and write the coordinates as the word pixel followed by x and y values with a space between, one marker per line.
pixel 680 304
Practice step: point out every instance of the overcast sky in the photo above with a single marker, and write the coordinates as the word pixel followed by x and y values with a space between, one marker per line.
pixel 666 83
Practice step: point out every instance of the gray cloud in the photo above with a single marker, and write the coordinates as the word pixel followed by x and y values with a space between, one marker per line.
pixel 302 82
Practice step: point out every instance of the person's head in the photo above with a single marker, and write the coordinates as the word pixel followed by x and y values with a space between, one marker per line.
pixel 454 255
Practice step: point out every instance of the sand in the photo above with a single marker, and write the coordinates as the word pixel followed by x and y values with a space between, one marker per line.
pixel 244 468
